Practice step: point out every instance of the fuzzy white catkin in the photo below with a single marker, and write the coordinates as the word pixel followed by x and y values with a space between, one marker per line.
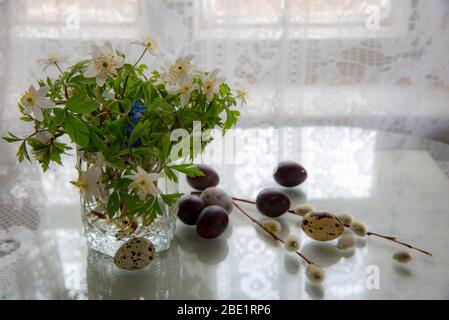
pixel 345 218
pixel 272 226
pixel 402 256
pixel 345 241
pixel 292 243
pixel 303 209
pixel 358 228
pixel 315 274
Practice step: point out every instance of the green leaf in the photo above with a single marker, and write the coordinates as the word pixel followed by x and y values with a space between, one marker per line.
pixel 131 202
pixel 156 208
pixel 46 160
pixel 59 115
pixel 61 146
pixel 22 153
pixel 166 145
pixel 170 199
pixel 188 169
pixel 81 80
pixel 170 174
pixel 77 130
pixel 27 118
pixel 81 104
pixel 231 118
pixel 120 53
pixel 95 140
pixel 138 131
pixel 11 138
pixel 113 204
pixel 121 183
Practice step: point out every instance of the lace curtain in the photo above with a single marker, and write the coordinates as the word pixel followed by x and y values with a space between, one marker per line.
pixel 378 64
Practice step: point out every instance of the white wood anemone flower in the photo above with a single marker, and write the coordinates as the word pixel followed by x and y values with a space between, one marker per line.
pixel 184 88
pixel 148 42
pixel 242 95
pixel 211 83
pixel 181 70
pixel 33 101
pixel 143 183
pixel 103 64
pixel 51 59
pixel 88 183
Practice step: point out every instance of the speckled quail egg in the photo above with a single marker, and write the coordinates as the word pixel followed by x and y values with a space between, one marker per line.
pixel 322 226
pixel 134 254
pixel 218 197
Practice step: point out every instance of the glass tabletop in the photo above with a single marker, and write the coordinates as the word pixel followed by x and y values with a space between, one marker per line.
pixel 389 181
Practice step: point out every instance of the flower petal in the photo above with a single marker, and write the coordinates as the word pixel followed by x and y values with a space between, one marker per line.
pixel 94 51
pixel 140 43
pixel 101 79
pixel 209 96
pixel 42 91
pixel 107 48
pixel 37 113
pixel 172 89
pixel 91 70
pixel 27 110
pixel 44 103
pixel 213 74
pixel 154 176
pixel 140 171
pixel 153 189
pixel 185 98
pixel 188 58
pixel 119 62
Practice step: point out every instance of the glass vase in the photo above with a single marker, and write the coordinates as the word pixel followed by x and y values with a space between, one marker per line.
pixel 106 234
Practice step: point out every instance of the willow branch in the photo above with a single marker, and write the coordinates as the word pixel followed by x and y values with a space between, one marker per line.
pixel 274 236
pixel 368 233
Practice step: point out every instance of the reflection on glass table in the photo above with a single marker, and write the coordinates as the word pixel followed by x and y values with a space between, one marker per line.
pixel 389 181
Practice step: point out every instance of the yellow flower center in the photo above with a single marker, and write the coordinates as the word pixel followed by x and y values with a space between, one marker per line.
pixel 208 86
pixel 82 186
pixel 141 184
pixel 243 93
pixel 52 58
pixel 103 63
pixel 178 70
pixel 28 99
pixel 150 43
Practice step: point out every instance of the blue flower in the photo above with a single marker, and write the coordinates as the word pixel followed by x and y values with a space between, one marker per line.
pixel 135 115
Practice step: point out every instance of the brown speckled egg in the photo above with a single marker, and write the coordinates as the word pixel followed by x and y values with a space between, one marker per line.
pixel 134 254
pixel 322 226
pixel 218 197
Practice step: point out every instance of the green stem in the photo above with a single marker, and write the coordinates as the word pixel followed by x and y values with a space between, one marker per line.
pixel 63 83
pixel 100 97
pixel 140 58
pixel 127 75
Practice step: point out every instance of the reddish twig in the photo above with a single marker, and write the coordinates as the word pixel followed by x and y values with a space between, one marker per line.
pixel 275 237
pixel 394 239
pixel 98 214
pixel 368 233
